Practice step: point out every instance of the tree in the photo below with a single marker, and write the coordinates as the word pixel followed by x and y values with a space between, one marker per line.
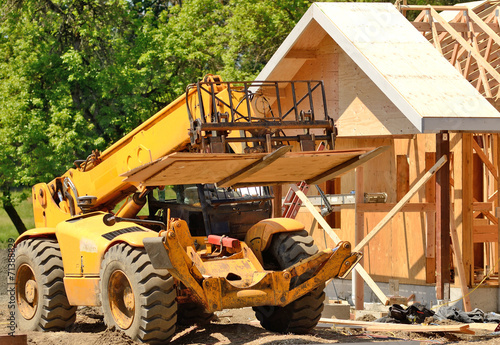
pixel 76 75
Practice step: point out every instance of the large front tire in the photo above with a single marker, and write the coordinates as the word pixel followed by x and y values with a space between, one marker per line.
pixel 136 298
pixel 41 302
pixel 303 314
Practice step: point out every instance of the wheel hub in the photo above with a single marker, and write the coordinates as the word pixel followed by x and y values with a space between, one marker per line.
pixel 121 299
pixel 26 292
pixel 30 290
pixel 128 298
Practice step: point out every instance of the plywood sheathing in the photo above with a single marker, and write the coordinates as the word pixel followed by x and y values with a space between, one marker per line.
pixel 386 78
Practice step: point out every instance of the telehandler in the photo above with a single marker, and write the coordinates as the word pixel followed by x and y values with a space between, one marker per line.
pixel 174 221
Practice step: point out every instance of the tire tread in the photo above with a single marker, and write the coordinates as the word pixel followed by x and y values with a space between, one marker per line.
pixel 303 314
pixel 57 314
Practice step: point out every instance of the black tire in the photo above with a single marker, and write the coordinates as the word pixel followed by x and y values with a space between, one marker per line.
pixel 191 313
pixel 39 274
pixel 302 315
pixel 151 291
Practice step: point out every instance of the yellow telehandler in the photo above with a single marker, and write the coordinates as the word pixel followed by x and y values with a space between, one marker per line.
pixel 174 221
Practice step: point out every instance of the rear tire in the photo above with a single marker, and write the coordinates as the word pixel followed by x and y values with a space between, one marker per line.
pixel 41 302
pixel 136 298
pixel 303 314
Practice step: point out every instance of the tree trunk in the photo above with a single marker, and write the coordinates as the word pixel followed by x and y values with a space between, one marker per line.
pixel 11 211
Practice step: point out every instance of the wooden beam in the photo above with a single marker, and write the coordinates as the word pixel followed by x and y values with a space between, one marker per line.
pixel 253 168
pixel 484 159
pixel 435 37
pixel 437 8
pixel 301 54
pixel 485 27
pixel 483 79
pixel 403 176
pixel 347 166
pixel 467 185
pixel 16 339
pixel 388 327
pixel 278 191
pixel 443 275
pixel 386 207
pixel 402 202
pixel 359 233
pixel 459 263
pixel 482 206
pixel 430 222
pixel 459 27
pixel 496 154
pixel 326 227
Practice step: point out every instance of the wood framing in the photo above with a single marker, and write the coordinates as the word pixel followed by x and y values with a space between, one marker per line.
pixel 387 85
pixel 468 37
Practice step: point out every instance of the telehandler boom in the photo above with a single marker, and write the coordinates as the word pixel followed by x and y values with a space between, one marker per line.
pixel 173 222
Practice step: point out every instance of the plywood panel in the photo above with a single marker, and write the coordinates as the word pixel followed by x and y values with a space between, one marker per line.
pixel 416 78
pixel 398 251
pixel 192 168
pixel 323 67
pixel 363 108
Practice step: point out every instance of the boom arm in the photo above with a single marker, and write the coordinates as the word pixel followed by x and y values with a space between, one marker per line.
pixel 213 116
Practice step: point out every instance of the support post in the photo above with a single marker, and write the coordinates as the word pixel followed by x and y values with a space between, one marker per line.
pixel 430 217
pixel 277 189
pixel 467 236
pixel 496 140
pixel 443 219
pixel 357 282
pixel 459 263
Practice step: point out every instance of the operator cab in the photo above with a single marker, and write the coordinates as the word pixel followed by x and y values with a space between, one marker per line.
pixel 209 210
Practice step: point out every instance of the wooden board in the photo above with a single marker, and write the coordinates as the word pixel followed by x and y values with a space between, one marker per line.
pixel 388 327
pixel 16 339
pixel 193 168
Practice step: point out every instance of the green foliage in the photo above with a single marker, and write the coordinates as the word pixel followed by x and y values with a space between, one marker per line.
pixel 76 75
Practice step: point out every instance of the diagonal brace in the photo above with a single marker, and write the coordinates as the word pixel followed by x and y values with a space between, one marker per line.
pixel 366 277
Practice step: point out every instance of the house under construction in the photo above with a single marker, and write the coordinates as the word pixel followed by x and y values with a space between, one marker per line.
pixel 423 89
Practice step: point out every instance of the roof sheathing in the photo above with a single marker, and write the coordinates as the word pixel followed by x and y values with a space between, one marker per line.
pixel 423 85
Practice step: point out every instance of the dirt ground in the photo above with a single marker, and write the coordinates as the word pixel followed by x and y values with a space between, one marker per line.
pixel 232 327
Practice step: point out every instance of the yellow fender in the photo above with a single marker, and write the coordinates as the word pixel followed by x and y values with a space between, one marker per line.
pixel 259 236
pixel 37 232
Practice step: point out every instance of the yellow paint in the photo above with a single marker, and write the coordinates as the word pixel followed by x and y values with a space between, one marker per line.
pixel 82 291
pixel 238 280
pixel 82 243
pixel 37 232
